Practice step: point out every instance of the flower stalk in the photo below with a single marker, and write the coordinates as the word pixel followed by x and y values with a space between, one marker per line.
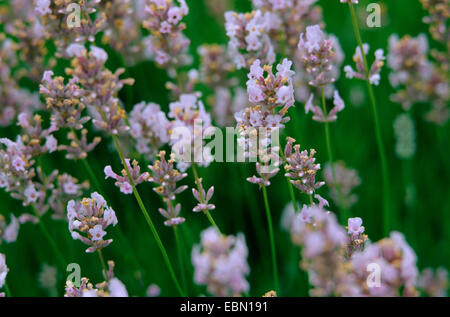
pixel 387 216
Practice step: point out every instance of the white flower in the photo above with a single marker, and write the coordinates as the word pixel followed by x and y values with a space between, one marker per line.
pixel 51 144
pixel 75 49
pixel 99 53
pixel 3 270
pixel 43 7
pixel 97 233
pixel 117 288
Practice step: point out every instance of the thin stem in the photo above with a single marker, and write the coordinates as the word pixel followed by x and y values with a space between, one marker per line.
pixel 148 219
pixel 207 213
pixel 272 240
pixel 384 167
pixel 7 290
pixel 105 270
pixel 180 258
pixel 344 212
pixel 52 242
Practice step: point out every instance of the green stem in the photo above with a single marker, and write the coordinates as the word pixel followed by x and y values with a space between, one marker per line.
pixel 180 258
pixel 105 270
pixel 207 213
pixel 52 242
pixel 387 216
pixel 148 219
pixel 272 240
pixel 7 290
pixel 344 212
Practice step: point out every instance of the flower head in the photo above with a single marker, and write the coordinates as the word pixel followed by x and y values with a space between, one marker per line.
pixel 88 220
pixel 220 262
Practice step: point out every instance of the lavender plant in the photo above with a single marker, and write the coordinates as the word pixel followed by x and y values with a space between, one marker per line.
pixel 151 82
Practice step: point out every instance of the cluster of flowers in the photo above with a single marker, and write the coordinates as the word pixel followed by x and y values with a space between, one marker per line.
pixel 122 30
pixel 166 176
pixel 271 96
pixel 189 124
pixel 112 287
pixel 167 43
pixel 149 126
pixel 90 217
pixel 417 78
pixel 340 264
pixel 375 69
pixel 289 18
pixel 249 38
pixel 439 14
pixel 99 87
pixel 3 272
pixel 125 182
pixel 64 28
pixel 13 99
pixel 301 168
pixel 220 263
pixel 29 38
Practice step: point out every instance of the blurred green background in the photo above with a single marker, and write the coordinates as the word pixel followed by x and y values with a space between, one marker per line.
pixel 239 205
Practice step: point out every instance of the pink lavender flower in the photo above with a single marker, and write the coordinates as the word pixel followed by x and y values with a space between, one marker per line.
pixel 168 44
pixel 100 88
pixel 375 69
pixel 352 1
pixel 300 167
pixel 43 7
pixel 317 56
pixel 36 140
pixel 3 270
pixel 9 232
pixel 220 262
pixel 272 90
pixel 149 127
pixel 64 101
pixel 17 173
pixel 90 217
pixel 397 264
pixel 203 198
pixel 249 38
pixel 265 172
pixel 271 95
pixel 56 24
pixel 434 283
pixel 416 78
pixel 439 15
pixel 317 111
pixel 166 176
pixel 190 122
pixel 153 290
pixel 287 19
pixel 322 239
pixel 356 238
pixel 123 182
